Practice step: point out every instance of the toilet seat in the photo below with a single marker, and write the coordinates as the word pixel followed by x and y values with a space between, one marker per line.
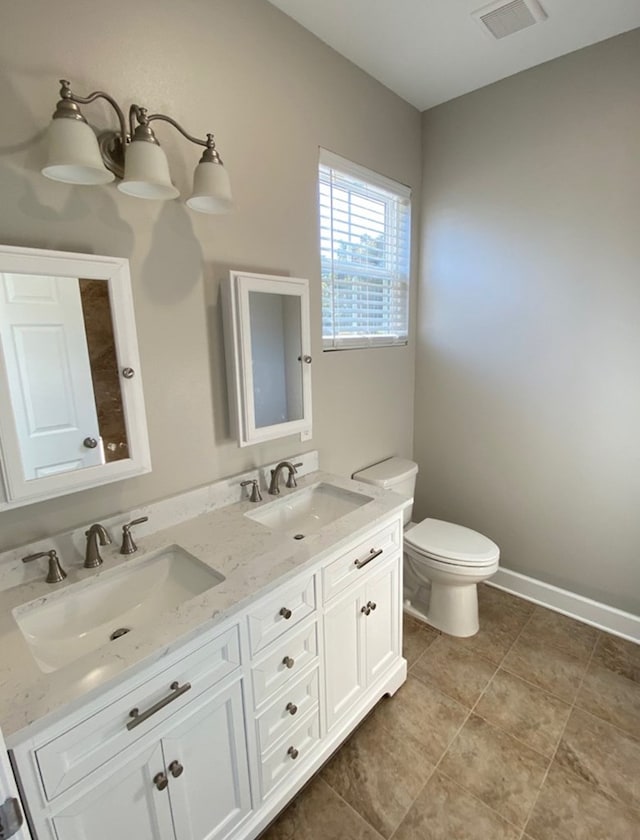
pixel 453 545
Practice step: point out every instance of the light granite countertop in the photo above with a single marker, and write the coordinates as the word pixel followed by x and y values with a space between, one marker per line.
pixel 252 558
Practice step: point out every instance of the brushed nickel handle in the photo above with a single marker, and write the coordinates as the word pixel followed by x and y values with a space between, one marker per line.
pixel 372 605
pixel 128 372
pixel 90 443
pixel 160 781
pixel 139 717
pixel 366 610
pixel 288 662
pixel 56 573
pixel 176 769
pixel 291 708
pixel 286 613
pixel 359 564
pixel 293 752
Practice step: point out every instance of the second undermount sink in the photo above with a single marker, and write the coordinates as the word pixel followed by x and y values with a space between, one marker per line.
pixel 75 621
pixel 307 510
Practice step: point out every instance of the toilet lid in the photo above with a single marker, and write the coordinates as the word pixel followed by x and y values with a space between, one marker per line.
pixel 452 543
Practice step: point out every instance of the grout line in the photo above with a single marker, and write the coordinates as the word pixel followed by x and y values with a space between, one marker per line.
pixel 564 728
pixel 351 808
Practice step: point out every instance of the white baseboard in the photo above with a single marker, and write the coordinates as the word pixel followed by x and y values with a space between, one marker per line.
pixel 614 621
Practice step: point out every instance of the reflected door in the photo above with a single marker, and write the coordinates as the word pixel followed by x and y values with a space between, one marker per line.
pixel 49 374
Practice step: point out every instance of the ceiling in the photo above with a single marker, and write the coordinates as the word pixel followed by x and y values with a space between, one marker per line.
pixel 429 51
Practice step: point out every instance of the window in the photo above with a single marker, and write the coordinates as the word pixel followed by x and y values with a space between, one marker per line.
pixel 365 221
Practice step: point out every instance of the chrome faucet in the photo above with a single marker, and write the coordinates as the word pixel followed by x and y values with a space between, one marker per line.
pixel 92 557
pixel 274 487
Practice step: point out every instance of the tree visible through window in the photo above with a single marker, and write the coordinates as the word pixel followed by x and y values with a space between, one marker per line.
pixel 364 251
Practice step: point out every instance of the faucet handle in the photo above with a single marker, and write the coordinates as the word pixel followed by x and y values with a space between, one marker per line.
pixel 56 572
pixel 256 496
pixel 128 545
pixel 291 478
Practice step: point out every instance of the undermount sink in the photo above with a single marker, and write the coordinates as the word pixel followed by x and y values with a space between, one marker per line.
pixel 90 614
pixel 307 510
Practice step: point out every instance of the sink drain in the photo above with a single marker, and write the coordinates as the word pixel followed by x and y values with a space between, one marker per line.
pixel 121 631
pixel 298 536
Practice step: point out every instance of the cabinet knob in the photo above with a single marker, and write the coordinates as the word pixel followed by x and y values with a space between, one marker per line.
pixel 291 708
pixel 288 662
pixel 160 781
pixel 176 769
pixel 90 443
pixel 366 610
pixel 285 613
pixel 372 605
pixel 293 752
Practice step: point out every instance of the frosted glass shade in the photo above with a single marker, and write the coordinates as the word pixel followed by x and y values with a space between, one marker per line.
pixel 211 189
pixel 74 156
pixel 146 172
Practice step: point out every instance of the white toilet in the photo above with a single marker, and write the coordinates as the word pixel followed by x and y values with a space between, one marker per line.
pixel 443 562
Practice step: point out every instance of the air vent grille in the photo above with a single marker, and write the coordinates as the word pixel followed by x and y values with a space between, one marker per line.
pixel 502 19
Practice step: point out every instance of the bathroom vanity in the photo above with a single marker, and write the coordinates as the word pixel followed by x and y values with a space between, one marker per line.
pixel 205 720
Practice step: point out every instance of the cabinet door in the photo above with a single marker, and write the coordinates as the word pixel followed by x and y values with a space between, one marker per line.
pixel 210 794
pixel 344 653
pixel 127 804
pixel 382 626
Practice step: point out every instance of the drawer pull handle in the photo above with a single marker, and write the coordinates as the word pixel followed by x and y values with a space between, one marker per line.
pixel 293 752
pixel 285 613
pixel 372 605
pixel 160 781
pixel 291 708
pixel 176 769
pixel 366 610
pixel 359 564
pixel 288 662
pixel 139 717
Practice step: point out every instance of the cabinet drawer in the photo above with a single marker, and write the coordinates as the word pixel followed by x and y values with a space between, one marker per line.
pixel 279 613
pixel 73 755
pixel 280 762
pixel 284 662
pixel 295 701
pixel 351 566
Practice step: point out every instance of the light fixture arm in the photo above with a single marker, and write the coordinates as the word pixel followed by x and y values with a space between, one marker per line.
pixel 211 153
pixel 66 95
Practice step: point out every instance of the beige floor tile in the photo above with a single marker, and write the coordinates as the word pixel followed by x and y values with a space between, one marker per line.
pixel 530 714
pixel 548 667
pixel 318 813
pixel 378 774
pixel 570 808
pixel 551 628
pixel 491 595
pixel 423 715
pixel 500 771
pixel 603 755
pixel 612 697
pixel 417 636
pixel 444 811
pixel 460 673
pixel 618 655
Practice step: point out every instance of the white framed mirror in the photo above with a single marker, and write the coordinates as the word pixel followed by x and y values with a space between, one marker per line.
pixel 71 401
pixel 267 346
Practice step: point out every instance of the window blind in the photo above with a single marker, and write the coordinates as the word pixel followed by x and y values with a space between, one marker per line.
pixel 365 222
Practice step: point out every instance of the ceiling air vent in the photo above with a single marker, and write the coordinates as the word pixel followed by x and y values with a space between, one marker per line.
pixel 501 19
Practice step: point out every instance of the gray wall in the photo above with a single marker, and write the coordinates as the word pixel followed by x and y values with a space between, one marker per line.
pixel 272 93
pixel 527 423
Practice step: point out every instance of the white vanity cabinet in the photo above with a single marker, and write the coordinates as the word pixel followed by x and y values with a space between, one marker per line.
pixel 362 636
pixel 271 695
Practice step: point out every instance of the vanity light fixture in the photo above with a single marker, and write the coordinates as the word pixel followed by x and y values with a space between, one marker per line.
pixel 77 156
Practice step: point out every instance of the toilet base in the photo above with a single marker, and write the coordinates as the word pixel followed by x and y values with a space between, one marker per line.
pixel 451 609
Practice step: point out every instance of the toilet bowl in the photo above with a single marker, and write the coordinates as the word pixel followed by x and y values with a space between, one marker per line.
pixel 442 560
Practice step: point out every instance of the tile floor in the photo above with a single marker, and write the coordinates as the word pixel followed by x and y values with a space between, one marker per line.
pixel 530 730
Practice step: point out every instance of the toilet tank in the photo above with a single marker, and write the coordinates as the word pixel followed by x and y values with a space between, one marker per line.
pixel 398 474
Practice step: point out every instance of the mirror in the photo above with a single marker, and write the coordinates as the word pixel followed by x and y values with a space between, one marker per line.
pixel 268 361
pixel 72 413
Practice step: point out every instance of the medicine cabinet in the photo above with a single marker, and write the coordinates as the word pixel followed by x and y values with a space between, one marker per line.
pixel 71 403
pixel 267 343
